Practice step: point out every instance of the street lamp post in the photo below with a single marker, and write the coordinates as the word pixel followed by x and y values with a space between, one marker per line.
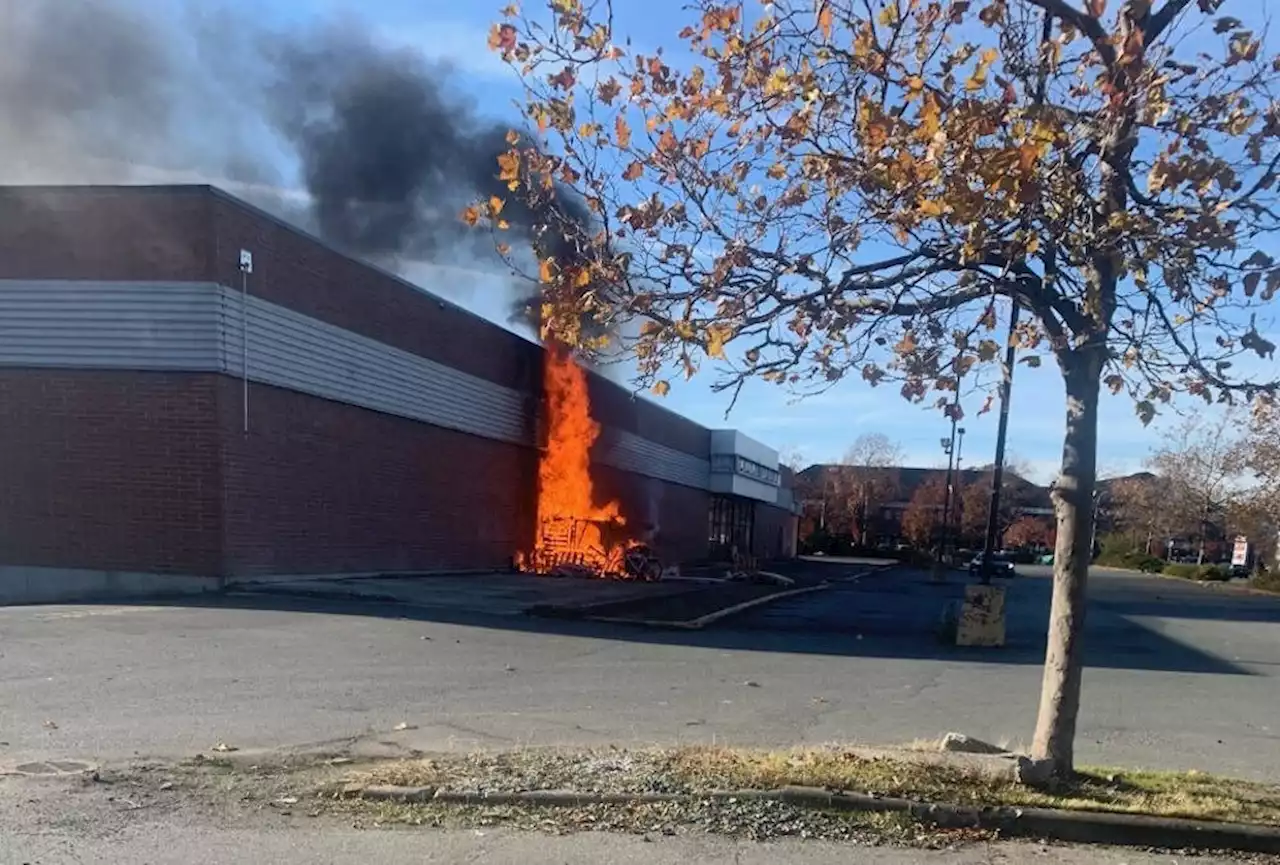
pixel 959 478
pixel 1002 435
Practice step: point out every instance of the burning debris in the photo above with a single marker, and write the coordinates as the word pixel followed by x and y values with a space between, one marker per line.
pixel 575 536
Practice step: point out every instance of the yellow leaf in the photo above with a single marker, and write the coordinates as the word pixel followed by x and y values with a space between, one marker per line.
pixel 777 171
pixel 495 205
pixel 662 388
pixel 777 83
pixel 930 118
pixel 546 270
pixel 503 225
pixel 471 215
pixel 622 132
pixel 633 171
pixel 929 207
pixel 582 278
pixel 716 338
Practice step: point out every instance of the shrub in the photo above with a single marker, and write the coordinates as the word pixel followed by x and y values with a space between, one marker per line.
pixel 1134 560
pixel 1266 581
pixel 1146 563
pixel 1198 572
pixel 1216 573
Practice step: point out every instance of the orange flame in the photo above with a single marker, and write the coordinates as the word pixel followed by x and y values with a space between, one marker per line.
pixel 573 533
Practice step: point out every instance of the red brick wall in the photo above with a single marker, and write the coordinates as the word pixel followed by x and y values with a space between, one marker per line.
pixel 678 512
pixel 105 233
pixel 152 472
pixel 322 487
pixel 109 471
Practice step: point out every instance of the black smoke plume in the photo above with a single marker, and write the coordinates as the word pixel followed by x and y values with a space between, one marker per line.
pixel 109 91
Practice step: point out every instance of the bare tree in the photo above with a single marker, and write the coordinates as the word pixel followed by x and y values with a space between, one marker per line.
pixel 1199 466
pixel 866 479
pixel 836 190
pixel 1257 508
pixel 1134 506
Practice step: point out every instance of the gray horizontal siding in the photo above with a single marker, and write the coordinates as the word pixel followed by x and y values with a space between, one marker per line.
pixel 111 325
pixel 196 327
pixel 632 453
pixel 291 350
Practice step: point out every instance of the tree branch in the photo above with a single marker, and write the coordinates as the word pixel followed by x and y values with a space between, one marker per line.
pixel 1085 23
pixel 1157 23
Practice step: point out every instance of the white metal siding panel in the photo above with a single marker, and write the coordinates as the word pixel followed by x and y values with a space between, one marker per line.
pixel 739 485
pixel 111 325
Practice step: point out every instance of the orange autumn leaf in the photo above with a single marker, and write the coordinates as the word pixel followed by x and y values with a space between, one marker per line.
pixel 824 20
pixel 509 166
pixel 633 171
pixel 622 132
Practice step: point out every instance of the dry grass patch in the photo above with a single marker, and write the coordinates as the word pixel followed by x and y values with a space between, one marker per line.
pixel 704 769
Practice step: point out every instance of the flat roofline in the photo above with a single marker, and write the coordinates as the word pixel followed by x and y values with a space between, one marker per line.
pixel 219 192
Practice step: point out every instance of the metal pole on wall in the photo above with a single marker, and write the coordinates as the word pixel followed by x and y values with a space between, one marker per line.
pixel 1002 435
pixel 246 268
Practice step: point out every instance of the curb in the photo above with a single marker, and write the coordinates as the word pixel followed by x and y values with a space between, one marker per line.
pixel 1080 827
pixel 712 617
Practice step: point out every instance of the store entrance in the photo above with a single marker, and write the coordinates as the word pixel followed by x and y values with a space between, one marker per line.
pixel 733 522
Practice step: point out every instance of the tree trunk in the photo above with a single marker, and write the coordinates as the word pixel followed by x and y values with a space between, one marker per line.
pixel 1054 743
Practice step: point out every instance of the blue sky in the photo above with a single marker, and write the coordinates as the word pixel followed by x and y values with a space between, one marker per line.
pixel 820 427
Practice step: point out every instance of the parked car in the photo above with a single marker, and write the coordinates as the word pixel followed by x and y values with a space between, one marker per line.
pixel 1000 565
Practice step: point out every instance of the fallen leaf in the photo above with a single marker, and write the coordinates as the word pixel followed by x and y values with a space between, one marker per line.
pixel 223 747
pixel 167 785
pixel 50 725
pixel 405 725
pixel 286 800
pixel 751 684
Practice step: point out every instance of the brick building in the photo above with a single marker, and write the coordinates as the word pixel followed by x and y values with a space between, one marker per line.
pixel 170 420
